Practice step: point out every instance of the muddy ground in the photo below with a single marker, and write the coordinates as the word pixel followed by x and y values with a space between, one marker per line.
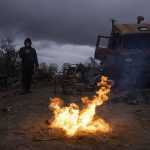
pixel 23 124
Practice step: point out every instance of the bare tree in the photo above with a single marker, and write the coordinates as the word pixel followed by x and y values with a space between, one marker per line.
pixel 9 66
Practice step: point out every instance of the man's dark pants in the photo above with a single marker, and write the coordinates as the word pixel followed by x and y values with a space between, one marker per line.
pixel 26 78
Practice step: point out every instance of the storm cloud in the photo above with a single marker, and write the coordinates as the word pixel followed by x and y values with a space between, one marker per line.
pixel 66 22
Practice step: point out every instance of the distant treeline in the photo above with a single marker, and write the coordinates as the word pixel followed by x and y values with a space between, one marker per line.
pixel 10 65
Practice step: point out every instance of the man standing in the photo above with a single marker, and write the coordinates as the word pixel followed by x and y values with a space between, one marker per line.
pixel 29 63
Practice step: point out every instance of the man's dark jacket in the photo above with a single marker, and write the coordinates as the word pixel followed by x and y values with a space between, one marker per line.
pixel 28 59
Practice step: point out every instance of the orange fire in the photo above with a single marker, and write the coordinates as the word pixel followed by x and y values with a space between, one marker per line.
pixel 73 119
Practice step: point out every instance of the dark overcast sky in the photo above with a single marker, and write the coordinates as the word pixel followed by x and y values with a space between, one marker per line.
pixel 58 25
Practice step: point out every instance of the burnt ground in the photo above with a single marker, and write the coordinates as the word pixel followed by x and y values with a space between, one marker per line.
pixel 23 124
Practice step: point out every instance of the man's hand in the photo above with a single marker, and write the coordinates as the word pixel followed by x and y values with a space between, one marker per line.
pixel 27 51
pixel 36 69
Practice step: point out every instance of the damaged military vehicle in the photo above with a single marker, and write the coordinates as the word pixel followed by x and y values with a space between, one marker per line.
pixel 126 58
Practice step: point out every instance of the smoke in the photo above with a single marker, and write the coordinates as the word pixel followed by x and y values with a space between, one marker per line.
pixel 133 69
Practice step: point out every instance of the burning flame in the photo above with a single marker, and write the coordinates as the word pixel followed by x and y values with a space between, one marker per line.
pixel 72 119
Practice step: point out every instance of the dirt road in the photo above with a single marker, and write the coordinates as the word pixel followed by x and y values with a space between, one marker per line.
pixel 23 123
